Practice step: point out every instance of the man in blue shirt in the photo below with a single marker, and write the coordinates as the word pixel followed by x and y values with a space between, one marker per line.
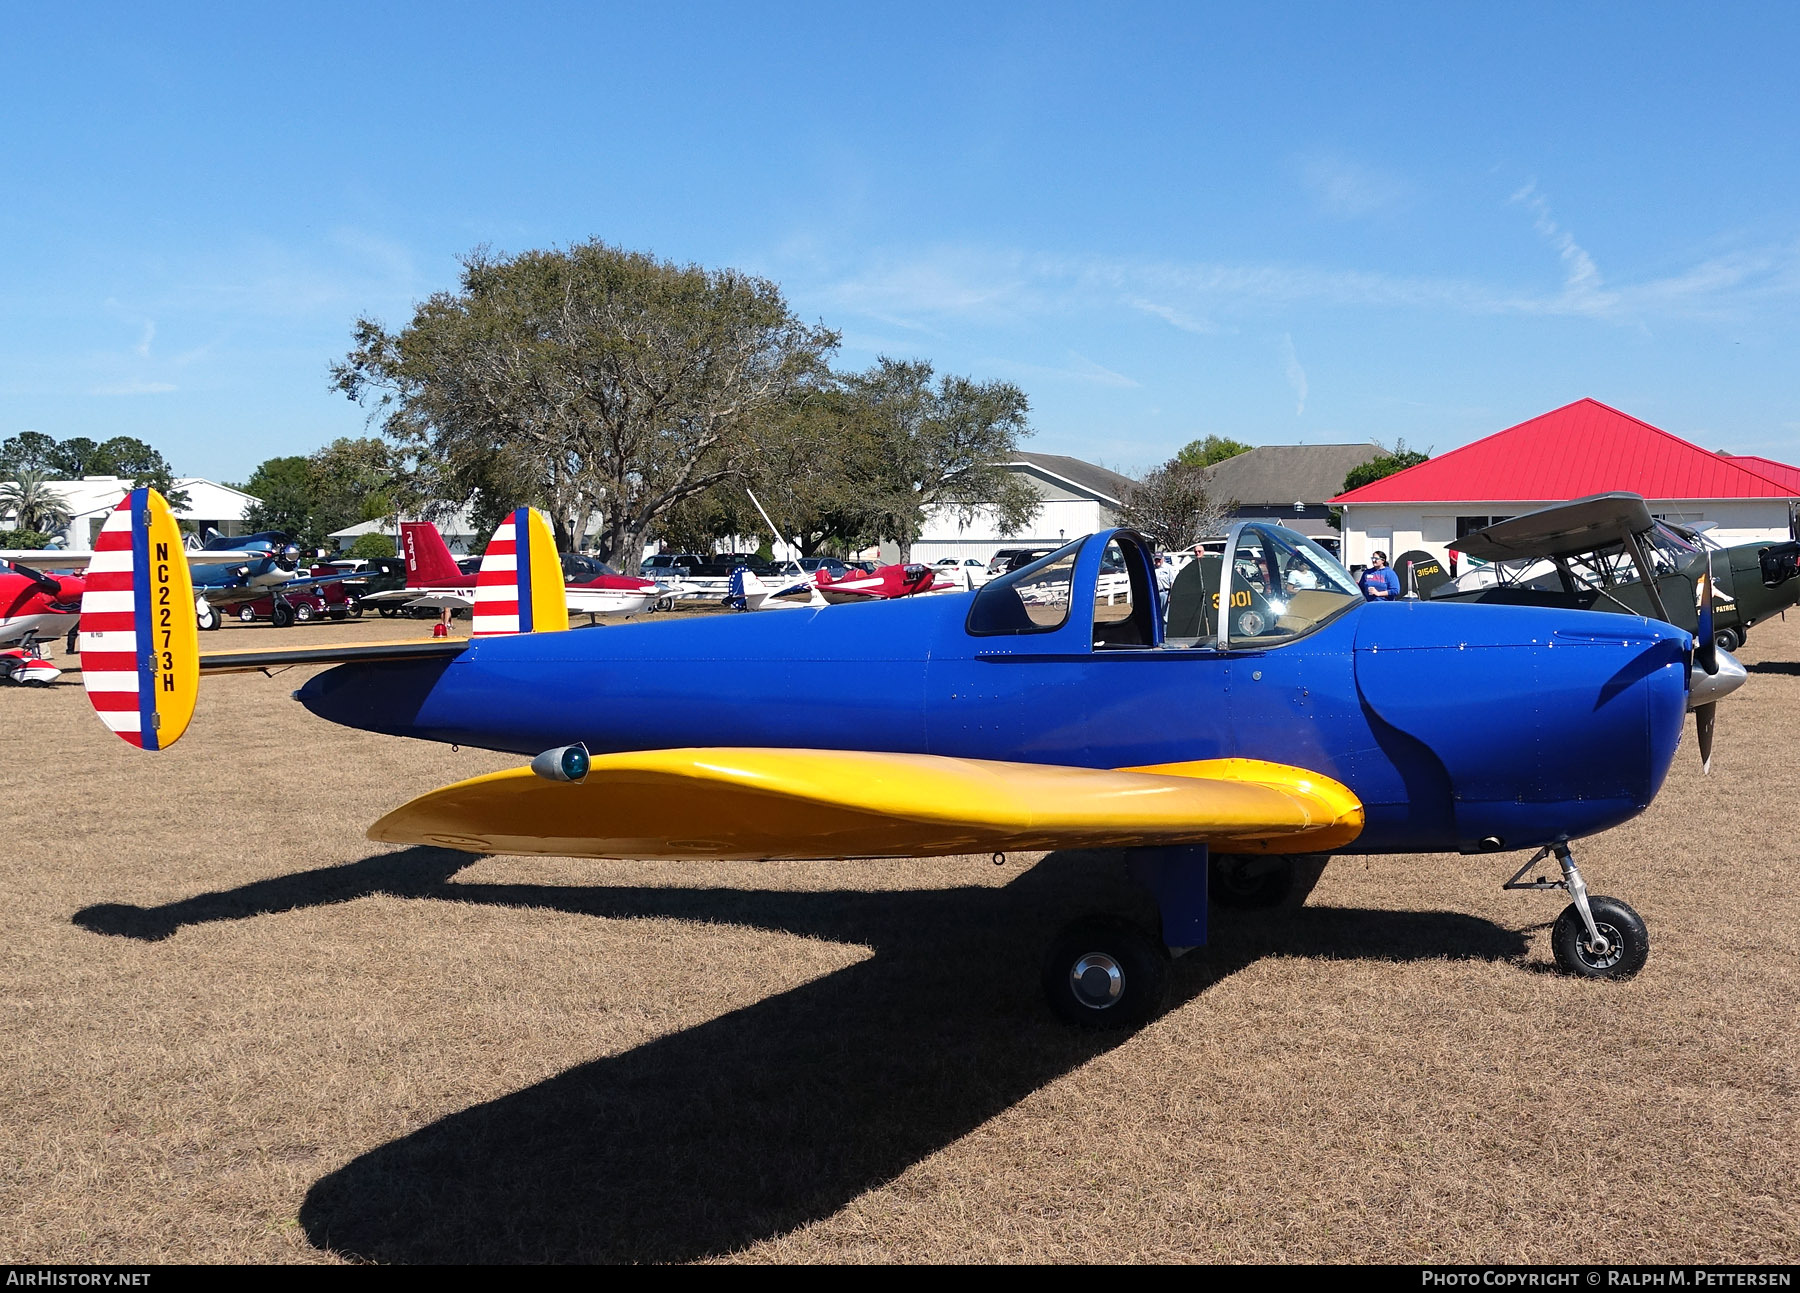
pixel 1379 583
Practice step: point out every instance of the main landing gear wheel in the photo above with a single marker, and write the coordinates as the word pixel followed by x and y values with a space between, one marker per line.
pixel 1105 972
pixel 387 612
pixel 206 617
pixel 246 614
pixel 1621 954
pixel 1728 639
pixel 283 615
pixel 1249 882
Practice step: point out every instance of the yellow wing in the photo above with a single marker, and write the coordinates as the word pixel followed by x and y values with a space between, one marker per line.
pixel 753 804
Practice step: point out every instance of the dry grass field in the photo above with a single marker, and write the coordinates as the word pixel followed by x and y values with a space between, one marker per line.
pixel 234 1030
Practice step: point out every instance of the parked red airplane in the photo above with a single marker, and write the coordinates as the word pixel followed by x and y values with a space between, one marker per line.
pixel 34 602
pixel 887 583
pixel 434 579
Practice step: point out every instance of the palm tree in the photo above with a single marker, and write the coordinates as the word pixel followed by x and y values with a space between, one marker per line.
pixel 35 505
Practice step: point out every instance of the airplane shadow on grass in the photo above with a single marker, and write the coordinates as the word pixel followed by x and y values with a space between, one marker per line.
pixel 762 1120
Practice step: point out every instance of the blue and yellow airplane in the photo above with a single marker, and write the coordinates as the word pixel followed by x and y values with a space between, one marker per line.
pixel 1054 708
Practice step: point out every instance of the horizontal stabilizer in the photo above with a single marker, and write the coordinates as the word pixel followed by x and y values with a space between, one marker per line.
pixel 753 804
pixel 256 659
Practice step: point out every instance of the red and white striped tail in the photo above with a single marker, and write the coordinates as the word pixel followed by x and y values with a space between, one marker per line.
pixel 138 637
pixel 108 630
pixel 520 586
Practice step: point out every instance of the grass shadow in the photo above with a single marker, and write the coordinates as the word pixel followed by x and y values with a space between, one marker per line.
pixel 1789 667
pixel 778 1114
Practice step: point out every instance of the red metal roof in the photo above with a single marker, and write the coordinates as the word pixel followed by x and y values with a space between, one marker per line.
pixel 1779 472
pixel 1582 448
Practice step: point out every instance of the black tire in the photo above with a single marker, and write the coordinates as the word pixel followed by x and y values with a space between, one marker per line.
pixel 283 616
pixel 388 612
pixel 354 608
pixel 338 612
pixel 1105 972
pixel 247 614
pixel 208 620
pixel 303 614
pixel 1251 882
pixel 1618 923
pixel 1727 640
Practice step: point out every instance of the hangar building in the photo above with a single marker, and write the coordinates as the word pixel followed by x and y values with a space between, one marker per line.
pixel 1582 448
pixel 1288 483
pixel 1078 498
pixel 90 500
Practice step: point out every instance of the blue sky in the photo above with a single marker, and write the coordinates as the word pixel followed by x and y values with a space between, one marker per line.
pixel 1281 223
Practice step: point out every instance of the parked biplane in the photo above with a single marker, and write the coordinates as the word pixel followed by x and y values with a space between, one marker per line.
pixel 1022 716
pixel 1607 552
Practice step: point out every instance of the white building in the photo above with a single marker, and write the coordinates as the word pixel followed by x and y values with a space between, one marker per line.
pixel 1078 498
pixel 210 506
pixel 458 531
pixel 1580 449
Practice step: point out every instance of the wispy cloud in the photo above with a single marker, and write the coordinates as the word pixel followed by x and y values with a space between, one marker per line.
pixel 1296 375
pixel 149 335
pixel 935 291
pixel 1581 277
pixel 1350 189
pixel 1175 318
pixel 1079 369
pixel 134 388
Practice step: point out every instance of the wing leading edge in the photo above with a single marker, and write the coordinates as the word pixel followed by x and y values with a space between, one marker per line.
pixel 755 804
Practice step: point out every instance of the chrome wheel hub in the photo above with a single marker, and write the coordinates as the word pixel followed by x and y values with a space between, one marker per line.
pixel 1610 950
pixel 1097 981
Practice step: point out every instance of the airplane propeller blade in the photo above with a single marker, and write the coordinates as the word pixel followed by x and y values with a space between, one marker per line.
pixel 1706 651
pixel 46 585
pixel 1705 691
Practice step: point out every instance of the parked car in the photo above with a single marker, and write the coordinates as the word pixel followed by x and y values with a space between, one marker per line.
pixel 968 572
pixel 294 608
pixel 671 565
pixel 834 566
pixel 1010 559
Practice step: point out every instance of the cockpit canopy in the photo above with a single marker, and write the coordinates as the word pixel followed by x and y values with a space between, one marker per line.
pixel 1282 586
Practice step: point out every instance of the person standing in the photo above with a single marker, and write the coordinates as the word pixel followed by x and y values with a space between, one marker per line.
pixel 1379 582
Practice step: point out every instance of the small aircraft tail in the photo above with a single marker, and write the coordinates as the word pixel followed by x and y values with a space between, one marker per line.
pixel 140 648
pixel 140 641
pixel 428 559
pixel 1420 572
pixel 520 587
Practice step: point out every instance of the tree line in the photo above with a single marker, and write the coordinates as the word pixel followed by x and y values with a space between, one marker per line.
pixel 30 463
pixel 636 399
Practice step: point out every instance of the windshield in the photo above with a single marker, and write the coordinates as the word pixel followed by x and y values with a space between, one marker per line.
pixel 1283 585
pixel 1032 599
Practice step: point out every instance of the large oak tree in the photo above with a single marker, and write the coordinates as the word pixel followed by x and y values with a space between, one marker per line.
pixel 589 381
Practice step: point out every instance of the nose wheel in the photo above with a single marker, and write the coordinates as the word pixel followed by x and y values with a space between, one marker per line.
pixel 1593 938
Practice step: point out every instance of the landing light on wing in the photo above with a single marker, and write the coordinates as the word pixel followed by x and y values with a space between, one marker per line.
pixel 564 763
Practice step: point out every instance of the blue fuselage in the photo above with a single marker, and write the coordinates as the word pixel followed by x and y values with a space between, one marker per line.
pixel 1459 727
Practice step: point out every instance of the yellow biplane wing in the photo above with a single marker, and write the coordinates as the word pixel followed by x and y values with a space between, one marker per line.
pixel 754 804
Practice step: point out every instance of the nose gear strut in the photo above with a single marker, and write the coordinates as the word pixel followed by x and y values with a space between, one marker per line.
pixel 1598 938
